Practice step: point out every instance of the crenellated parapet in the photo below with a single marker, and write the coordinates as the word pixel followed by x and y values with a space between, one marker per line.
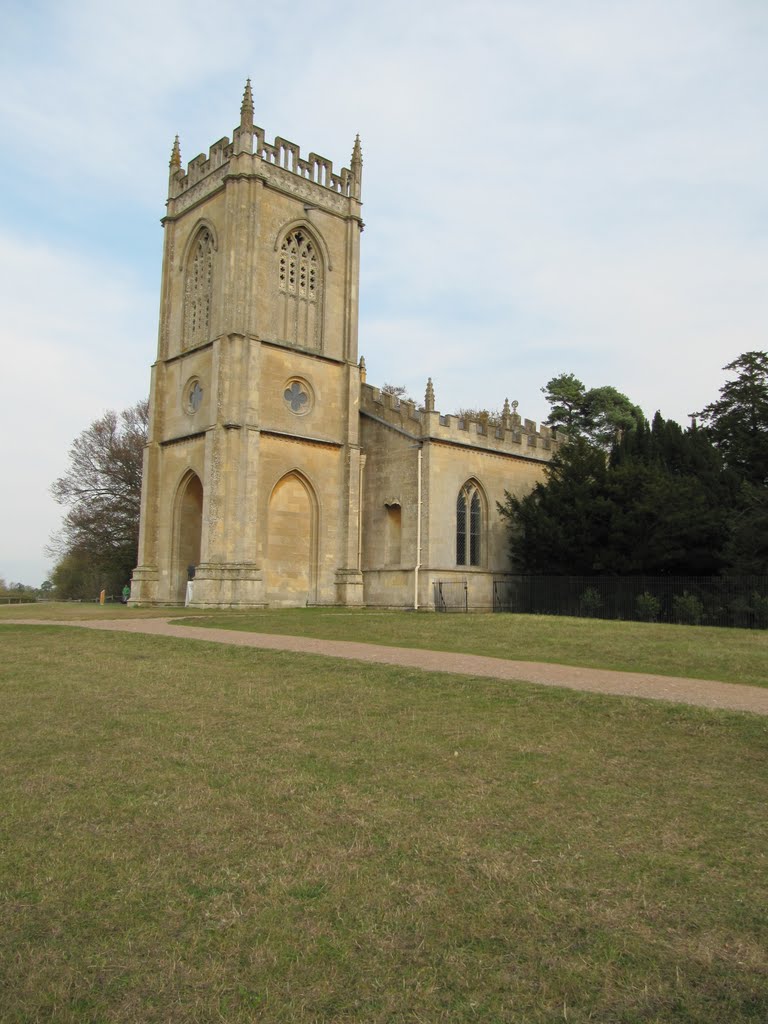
pixel 318 169
pixel 511 435
pixel 279 162
pixel 201 166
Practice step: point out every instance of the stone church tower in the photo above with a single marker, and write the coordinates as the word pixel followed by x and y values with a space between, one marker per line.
pixel 274 473
pixel 253 468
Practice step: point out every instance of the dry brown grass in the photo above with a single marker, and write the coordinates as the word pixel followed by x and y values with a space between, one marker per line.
pixel 199 833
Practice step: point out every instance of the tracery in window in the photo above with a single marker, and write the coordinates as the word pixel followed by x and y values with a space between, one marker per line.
pixel 193 395
pixel 300 279
pixel 198 289
pixel 298 396
pixel 469 518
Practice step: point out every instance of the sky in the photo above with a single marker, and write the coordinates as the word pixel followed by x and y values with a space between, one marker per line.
pixel 549 186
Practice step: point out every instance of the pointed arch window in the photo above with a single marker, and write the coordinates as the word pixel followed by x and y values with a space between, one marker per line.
pixel 469 521
pixel 300 280
pixel 198 290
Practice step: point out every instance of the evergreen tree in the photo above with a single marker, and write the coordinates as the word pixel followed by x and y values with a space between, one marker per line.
pixel 561 526
pixel 737 422
pixel 601 414
pixel 659 504
pixel 608 415
pixel 747 547
pixel 565 395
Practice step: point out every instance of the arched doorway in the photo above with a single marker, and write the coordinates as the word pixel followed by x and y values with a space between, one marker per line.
pixel 188 530
pixel 292 542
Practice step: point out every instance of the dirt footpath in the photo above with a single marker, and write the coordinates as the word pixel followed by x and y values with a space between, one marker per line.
pixel 702 692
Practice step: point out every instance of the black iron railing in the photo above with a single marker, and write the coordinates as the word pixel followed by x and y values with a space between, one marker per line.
pixel 740 601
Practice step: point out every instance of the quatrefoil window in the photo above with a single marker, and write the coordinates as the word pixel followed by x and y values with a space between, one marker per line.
pixel 192 395
pixel 297 397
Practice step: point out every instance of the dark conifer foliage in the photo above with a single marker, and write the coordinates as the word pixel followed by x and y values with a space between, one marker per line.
pixel 747 548
pixel 664 500
pixel 737 423
pixel 562 526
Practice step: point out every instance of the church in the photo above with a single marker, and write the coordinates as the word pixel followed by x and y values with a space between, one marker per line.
pixel 274 473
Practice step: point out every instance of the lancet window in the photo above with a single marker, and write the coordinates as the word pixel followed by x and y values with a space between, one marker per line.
pixel 468 524
pixel 198 289
pixel 300 278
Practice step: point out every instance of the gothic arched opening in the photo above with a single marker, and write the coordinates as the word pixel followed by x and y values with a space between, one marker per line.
pixel 291 563
pixel 301 287
pixel 188 530
pixel 469 524
pixel 198 289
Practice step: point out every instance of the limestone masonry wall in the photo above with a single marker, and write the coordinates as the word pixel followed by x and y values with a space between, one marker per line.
pixel 513 436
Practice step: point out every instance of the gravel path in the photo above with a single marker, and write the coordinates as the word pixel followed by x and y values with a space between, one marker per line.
pixel 701 692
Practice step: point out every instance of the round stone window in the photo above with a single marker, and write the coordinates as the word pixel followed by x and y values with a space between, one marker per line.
pixel 297 395
pixel 193 395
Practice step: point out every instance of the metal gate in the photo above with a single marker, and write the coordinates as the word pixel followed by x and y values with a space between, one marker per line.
pixel 450 595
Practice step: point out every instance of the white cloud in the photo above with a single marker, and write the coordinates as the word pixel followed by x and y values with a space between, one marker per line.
pixel 76 338
pixel 548 187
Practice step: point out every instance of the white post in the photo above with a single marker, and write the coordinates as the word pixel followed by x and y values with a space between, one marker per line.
pixel 360 514
pixel 418 533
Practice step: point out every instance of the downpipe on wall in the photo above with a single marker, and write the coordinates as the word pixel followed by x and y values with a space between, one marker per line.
pixel 418 530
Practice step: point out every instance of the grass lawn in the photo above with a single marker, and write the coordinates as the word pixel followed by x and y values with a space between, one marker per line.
pixel 730 655
pixel 198 833
pixel 68 610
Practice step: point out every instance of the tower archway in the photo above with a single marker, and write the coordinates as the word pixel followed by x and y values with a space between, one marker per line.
pixel 291 563
pixel 188 531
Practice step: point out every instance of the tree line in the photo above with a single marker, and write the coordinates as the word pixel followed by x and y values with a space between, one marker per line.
pixel 625 496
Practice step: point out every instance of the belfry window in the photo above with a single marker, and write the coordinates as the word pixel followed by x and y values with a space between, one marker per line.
pixel 468 525
pixel 300 280
pixel 198 289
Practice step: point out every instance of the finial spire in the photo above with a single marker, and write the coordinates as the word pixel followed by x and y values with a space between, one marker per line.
pixel 429 397
pixel 175 163
pixel 362 370
pixel 246 107
pixel 242 137
pixel 356 167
